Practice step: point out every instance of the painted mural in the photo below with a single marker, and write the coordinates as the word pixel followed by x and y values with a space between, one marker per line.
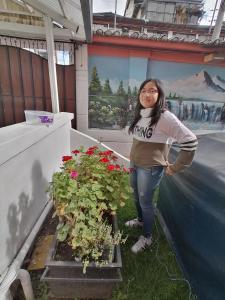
pixel 194 93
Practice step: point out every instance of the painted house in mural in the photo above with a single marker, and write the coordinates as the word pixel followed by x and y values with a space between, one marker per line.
pixel 191 67
pixel 169 11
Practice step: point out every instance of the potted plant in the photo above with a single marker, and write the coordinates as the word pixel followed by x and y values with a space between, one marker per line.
pixel 85 257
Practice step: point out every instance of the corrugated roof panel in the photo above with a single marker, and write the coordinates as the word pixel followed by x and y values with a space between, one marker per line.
pixel 72 10
pixel 168 18
pixel 53 4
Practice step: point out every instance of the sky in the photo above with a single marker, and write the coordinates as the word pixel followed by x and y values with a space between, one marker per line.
pixel 109 6
pixel 174 71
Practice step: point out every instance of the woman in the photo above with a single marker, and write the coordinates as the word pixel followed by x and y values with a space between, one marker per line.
pixel 154 129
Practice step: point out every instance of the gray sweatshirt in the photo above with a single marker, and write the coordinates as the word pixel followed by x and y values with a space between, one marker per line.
pixel 151 145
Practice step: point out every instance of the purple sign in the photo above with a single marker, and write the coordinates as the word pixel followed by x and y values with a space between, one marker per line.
pixel 45 119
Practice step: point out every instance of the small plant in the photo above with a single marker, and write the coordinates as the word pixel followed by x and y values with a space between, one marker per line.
pixel 86 193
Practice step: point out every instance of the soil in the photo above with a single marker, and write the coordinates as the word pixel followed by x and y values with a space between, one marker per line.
pixel 64 252
pixel 49 226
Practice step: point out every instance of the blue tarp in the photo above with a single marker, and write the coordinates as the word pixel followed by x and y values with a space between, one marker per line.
pixel 192 205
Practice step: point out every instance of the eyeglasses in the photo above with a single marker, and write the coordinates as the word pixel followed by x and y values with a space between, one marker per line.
pixel 152 91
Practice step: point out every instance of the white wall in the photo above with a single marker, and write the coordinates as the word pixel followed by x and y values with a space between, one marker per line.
pixel 29 154
pixel 118 140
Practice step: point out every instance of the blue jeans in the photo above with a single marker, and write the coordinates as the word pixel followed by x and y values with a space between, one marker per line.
pixel 144 182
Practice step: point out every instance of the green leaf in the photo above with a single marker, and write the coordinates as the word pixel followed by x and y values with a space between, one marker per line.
pixel 113 206
pixel 93 197
pixel 96 187
pixel 96 175
pixel 109 188
pixel 63 232
pixel 124 196
pixel 100 195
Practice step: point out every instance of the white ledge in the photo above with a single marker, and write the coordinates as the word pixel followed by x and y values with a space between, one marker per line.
pixel 16 138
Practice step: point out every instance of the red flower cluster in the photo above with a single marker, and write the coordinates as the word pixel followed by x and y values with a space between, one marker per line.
pixel 66 158
pixel 89 152
pixel 107 156
pixel 104 160
pixel 113 167
pixel 75 151
pixel 106 153
pixel 73 174
pixel 93 148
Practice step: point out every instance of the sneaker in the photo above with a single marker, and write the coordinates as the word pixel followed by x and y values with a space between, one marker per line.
pixel 141 244
pixel 134 223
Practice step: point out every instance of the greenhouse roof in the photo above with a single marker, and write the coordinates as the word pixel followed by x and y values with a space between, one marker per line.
pixel 71 18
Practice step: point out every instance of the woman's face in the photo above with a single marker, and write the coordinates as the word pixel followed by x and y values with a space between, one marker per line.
pixel 149 95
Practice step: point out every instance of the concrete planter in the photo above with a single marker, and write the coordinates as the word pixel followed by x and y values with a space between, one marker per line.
pixel 66 278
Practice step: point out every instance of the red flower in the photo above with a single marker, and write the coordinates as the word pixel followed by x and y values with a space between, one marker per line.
pixel 126 170
pixel 89 152
pixel 111 167
pixel 66 158
pixel 93 148
pixel 106 153
pixel 104 160
pixel 73 174
pixel 117 167
pixel 75 151
pixel 109 152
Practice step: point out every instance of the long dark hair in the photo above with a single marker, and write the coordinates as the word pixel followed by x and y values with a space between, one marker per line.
pixel 158 109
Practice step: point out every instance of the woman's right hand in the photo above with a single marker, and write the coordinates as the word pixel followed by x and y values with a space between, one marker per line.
pixel 168 169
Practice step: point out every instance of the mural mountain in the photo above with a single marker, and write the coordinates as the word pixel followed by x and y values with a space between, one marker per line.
pixel 200 86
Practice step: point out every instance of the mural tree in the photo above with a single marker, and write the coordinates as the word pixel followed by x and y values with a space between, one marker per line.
pixel 121 92
pixel 108 108
pixel 107 91
pixel 131 103
pixel 134 92
pixel 123 105
pixel 95 87
pixel 129 92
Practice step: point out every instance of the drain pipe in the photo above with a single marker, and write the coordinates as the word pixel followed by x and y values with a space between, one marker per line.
pixel 14 272
pixel 24 277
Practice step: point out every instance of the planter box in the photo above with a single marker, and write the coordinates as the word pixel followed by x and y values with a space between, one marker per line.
pixel 66 278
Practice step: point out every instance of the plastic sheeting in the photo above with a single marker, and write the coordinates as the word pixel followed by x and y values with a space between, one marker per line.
pixel 192 205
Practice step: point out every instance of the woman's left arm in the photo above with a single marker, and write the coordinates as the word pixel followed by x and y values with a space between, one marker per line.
pixel 186 139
